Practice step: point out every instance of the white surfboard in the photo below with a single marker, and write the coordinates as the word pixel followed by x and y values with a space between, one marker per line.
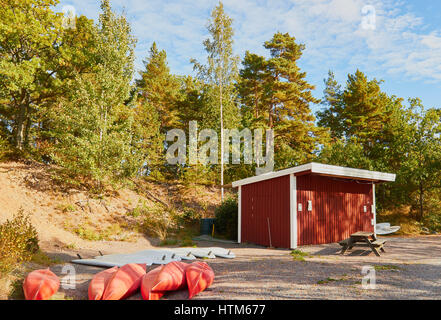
pixel 183 253
pixel 390 230
pixel 204 253
pixel 222 253
pixel 146 256
pixel 383 225
pixel 104 263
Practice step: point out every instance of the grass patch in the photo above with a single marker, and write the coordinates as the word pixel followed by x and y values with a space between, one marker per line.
pixel 299 255
pixel 43 259
pixel 66 207
pixel 178 242
pixel 329 279
pixel 386 267
pixel 60 296
pixel 169 242
pixel 16 290
pixel 187 243
pixel 89 232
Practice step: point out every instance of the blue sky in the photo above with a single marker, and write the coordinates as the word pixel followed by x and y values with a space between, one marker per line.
pixel 404 49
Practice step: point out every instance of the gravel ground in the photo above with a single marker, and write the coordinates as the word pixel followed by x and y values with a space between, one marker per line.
pixel 410 269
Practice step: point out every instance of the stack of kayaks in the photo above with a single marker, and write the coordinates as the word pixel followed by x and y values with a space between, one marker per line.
pixel 118 284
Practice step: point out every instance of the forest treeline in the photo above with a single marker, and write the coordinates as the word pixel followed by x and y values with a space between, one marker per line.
pixel 71 97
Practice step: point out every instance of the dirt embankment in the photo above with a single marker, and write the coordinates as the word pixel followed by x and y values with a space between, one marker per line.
pixel 76 219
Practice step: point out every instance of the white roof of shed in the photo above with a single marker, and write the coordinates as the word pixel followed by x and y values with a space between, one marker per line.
pixel 323 169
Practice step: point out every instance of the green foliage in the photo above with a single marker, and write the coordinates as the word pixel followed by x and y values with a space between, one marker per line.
pixel 156 111
pixel 16 290
pixel 277 96
pixel 158 221
pixel 220 73
pixel 91 232
pixel 191 216
pixel 160 89
pixel 93 123
pixel 376 132
pixel 18 241
pixel 346 153
pixel 219 77
pixel 28 32
pixel 169 242
pixel 5 148
pixel 299 255
pixel 226 218
pixel 361 111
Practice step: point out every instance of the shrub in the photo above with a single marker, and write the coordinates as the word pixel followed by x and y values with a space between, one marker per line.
pixel 191 216
pixel 6 150
pixel 158 221
pixel 18 241
pixel 226 219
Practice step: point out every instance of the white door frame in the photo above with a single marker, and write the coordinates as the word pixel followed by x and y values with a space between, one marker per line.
pixel 239 216
pixel 374 209
pixel 293 210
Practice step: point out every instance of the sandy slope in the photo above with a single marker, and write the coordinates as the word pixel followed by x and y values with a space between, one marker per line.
pixel 30 186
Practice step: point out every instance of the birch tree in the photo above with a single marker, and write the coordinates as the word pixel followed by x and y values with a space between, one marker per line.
pixel 221 73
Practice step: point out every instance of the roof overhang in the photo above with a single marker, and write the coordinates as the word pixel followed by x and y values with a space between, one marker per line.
pixel 322 169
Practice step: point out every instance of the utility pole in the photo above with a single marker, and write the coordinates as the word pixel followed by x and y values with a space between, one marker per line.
pixel 221 107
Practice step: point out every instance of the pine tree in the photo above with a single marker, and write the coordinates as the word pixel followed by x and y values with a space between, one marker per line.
pixel 331 116
pixel 361 111
pixel 276 90
pixel 159 88
pixel 253 93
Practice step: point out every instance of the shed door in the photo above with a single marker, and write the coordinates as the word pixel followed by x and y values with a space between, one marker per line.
pixel 265 213
pixel 338 208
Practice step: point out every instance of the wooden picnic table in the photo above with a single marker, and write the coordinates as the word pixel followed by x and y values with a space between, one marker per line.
pixel 363 239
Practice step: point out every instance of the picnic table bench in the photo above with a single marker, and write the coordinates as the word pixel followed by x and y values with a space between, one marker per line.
pixel 363 239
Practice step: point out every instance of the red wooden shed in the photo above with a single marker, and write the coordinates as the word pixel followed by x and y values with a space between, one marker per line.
pixel 309 204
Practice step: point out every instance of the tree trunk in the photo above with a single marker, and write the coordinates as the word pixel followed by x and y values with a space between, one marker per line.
pixel 421 202
pixel 20 133
pixel 222 143
pixel 26 132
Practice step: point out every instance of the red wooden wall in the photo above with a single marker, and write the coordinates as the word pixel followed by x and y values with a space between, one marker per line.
pixel 263 200
pixel 337 209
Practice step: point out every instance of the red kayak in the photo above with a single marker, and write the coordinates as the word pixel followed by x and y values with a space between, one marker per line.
pixel 40 285
pixel 147 283
pixel 171 277
pixel 99 283
pixel 199 277
pixel 125 282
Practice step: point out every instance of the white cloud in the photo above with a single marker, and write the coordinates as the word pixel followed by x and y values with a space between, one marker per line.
pixel 330 29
